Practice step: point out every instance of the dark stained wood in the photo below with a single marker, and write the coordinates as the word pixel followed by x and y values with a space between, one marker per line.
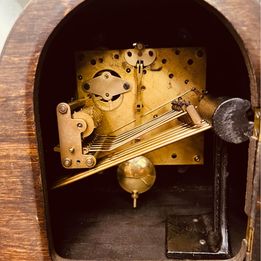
pixel 243 20
pixel 22 220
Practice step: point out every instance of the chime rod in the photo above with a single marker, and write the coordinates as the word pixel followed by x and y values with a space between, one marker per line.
pixel 138 128
pixel 158 139
pixel 112 144
pixel 167 116
pixel 176 130
pixel 173 131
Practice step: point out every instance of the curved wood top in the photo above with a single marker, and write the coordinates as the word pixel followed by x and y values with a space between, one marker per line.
pixel 22 223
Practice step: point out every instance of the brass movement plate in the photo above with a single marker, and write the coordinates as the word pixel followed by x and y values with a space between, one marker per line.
pixel 175 71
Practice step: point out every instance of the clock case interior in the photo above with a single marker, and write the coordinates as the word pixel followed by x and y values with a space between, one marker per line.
pixel 93 218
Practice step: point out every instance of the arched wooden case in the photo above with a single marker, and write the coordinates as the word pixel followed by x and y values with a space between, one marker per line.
pixel 36 68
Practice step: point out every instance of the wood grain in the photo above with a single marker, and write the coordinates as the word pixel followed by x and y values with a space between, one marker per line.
pixel 22 221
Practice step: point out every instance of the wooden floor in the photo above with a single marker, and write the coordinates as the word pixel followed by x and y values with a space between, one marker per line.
pixel 95 220
pixel 98 222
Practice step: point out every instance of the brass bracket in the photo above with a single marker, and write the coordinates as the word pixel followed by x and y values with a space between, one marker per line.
pixel 72 154
pixel 107 86
pixel 135 56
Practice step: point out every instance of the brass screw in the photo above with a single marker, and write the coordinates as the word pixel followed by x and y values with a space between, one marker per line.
pixel 126 86
pixel 62 108
pixel 67 162
pixel 90 161
pixel 71 149
pixel 197 158
pixel 79 125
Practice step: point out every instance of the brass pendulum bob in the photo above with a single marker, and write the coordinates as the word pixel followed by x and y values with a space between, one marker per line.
pixel 136 176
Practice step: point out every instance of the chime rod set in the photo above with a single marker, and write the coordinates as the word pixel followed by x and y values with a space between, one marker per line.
pixel 165 138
